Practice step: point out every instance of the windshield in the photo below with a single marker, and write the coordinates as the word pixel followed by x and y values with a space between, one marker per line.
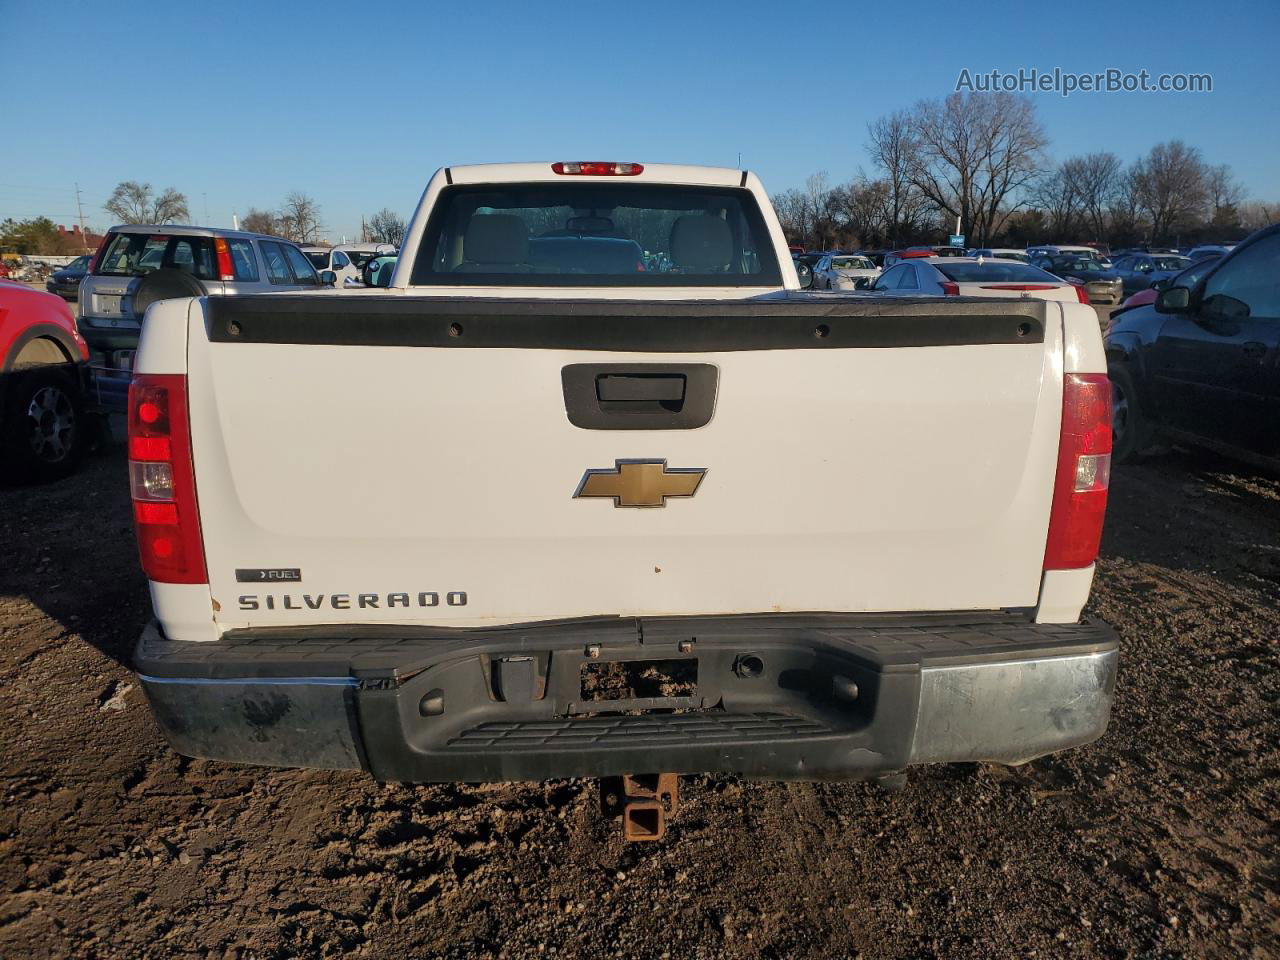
pixel 137 254
pixel 852 263
pixel 594 234
pixel 319 260
pixel 1168 263
pixel 995 271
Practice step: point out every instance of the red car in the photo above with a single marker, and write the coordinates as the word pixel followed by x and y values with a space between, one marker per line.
pixel 42 359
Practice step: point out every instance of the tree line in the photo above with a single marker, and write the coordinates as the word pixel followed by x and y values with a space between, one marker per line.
pixel 983 158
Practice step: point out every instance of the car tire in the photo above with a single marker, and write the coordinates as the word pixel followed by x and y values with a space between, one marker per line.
pixel 43 432
pixel 1131 433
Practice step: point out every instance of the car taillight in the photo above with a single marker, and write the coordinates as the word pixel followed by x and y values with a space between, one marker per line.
pixel 226 269
pixel 596 168
pixel 1084 472
pixel 97 254
pixel 162 481
pixel 1082 294
pixel 950 289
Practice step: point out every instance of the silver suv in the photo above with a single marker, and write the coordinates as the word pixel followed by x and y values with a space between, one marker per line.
pixel 139 264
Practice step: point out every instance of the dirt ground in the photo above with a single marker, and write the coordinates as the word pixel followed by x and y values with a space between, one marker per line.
pixel 1161 840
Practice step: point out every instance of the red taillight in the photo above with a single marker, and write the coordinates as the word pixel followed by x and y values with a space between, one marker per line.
pixel 162 480
pixel 97 254
pixel 950 289
pixel 1084 471
pixel 226 270
pixel 1082 294
pixel 597 168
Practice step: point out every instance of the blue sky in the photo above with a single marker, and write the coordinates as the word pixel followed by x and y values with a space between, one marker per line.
pixel 355 103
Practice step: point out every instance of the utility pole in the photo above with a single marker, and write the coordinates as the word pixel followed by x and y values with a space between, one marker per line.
pixel 206 208
pixel 84 235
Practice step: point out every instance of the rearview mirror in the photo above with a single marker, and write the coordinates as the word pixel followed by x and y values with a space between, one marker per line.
pixel 328 278
pixel 1173 300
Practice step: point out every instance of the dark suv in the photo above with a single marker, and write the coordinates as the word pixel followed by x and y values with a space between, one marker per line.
pixel 1201 365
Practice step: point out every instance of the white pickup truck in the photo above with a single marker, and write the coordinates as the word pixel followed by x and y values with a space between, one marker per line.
pixel 593 488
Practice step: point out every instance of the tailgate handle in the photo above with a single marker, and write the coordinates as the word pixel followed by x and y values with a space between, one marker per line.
pixel 639 396
pixel 633 387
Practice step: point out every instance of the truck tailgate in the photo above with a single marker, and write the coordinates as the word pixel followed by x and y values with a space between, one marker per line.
pixel 413 461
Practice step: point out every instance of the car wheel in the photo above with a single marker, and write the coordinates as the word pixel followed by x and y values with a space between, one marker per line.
pixel 1130 432
pixel 42 436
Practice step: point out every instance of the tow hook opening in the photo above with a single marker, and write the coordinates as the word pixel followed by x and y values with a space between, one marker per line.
pixel 748 666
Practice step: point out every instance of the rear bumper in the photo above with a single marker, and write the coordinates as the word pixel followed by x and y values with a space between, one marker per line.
pixel 835 697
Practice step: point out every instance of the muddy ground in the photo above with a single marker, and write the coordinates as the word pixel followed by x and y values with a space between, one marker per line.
pixel 1158 841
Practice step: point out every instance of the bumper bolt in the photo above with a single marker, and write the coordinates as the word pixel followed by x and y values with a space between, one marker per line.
pixel 593 651
pixel 685 646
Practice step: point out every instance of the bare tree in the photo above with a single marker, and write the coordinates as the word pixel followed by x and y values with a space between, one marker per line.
pixel 974 153
pixel 893 148
pixel 300 218
pixel 261 221
pixel 386 226
pixel 1056 195
pixel 1170 187
pixel 1095 177
pixel 1225 197
pixel 792 208
pixel 133 202
pixel 1256 214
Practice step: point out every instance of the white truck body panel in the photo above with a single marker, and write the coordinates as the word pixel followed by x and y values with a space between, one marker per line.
pixel 410 479
pixel 379 470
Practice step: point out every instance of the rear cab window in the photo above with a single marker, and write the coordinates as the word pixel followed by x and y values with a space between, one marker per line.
pixel 602 234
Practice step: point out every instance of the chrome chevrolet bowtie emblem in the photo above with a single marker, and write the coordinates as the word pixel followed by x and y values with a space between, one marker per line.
pixel 640 483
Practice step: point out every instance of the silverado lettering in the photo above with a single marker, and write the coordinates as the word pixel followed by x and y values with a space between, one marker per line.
pixel 342 601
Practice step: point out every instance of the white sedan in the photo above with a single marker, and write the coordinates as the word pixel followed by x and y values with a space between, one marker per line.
pixel 973 277
pixel 842 271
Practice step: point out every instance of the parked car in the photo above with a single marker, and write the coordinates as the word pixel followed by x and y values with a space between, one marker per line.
pixel 860 534
pixel 1137 271
pixel 1101 284
pixel 999 253
pixel 964 277
pixel 841 272
pixel 1201 365
pixel 897 256
pixel 378 271
pixel 1087 250
pixel 42 357
pixel 1189 277
pixel 332 259
pixel 139 264
pixel 361 253
pixel 65 282
pixel 1209 250
pixel 804 272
